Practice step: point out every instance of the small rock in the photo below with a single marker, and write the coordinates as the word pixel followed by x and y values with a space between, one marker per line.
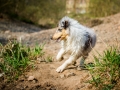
pixel 8 31
pixel 62 76
pixel 70 74
pixel 1 74
pixel 30 78
pixel 34 81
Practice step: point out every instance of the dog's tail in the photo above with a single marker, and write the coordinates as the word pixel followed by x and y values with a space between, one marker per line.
pixel 94 37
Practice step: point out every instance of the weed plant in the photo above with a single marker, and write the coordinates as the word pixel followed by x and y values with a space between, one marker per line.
pixel 36 52
pixel 15 58
pixel 106 70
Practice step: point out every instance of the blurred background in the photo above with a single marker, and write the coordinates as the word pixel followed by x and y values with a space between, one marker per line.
pixel 47 13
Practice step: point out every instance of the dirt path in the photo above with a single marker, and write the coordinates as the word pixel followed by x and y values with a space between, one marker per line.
pixel 46 78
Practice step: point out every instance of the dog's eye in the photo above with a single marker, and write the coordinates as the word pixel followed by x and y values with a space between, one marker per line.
pixel 60 30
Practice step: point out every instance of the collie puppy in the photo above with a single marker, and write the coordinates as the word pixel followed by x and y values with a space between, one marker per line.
pixel 76 39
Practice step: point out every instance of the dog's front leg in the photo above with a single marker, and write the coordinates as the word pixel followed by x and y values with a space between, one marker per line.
pixel 66 63
pixel 60 54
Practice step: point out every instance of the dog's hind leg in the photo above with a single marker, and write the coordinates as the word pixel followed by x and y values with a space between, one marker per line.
pixel 82 66
pixel 60 54
pixel 66 63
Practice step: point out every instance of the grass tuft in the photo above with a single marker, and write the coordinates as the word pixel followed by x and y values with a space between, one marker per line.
pixel 15 58
pixel 106 70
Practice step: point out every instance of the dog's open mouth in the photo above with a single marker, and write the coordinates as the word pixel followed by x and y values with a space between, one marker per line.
pixel 58 39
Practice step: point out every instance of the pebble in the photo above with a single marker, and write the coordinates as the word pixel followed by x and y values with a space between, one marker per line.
pixel 30 78
pixel 7 31
pixel 62 76
pixel 1 74
pixel 34 81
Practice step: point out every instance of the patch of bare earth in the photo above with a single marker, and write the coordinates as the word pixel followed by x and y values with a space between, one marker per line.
pixel 45 75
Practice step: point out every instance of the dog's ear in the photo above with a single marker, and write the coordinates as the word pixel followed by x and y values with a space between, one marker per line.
pixel 65 24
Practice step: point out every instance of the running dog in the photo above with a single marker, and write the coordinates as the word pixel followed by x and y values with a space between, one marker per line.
pixel 76 39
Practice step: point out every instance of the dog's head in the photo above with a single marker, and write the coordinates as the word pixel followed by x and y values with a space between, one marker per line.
pixel 62 30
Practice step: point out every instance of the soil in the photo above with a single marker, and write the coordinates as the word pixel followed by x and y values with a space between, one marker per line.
pixel 45 75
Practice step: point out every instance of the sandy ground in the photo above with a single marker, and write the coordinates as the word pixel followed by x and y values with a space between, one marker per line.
pixel 46 78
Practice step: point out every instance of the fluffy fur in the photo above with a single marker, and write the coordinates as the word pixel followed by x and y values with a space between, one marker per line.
pixel 75 39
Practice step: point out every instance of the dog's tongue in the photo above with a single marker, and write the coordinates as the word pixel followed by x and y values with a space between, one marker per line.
pixel 58 40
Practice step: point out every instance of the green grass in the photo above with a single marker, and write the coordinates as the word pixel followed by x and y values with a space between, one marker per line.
pixel 101 8
pixel 106 70
pixel 16 59
pixel 37 51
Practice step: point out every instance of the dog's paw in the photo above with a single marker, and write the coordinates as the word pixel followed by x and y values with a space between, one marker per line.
pixel 60 69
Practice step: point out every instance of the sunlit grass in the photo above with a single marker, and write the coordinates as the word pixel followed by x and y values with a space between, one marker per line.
pixel 16 59
pixel 105 71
